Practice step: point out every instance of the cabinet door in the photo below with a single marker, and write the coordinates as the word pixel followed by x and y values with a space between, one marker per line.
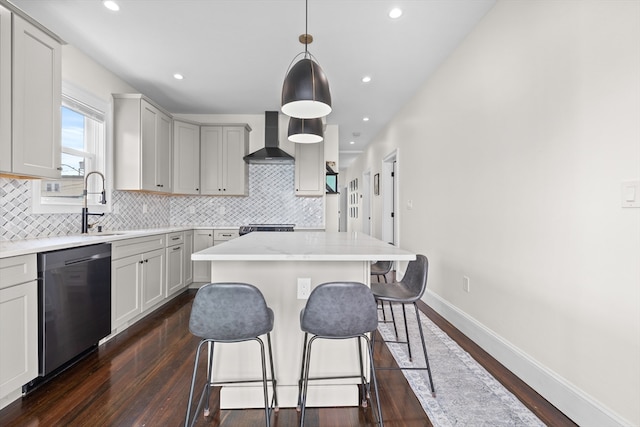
pixel 18 336
pixel 175 269
pixel 148 129
pixel 37 96
pixel 310 169
pixel 235 169
pixel 186 158
pixel 210 155
pixel 126 276
pixel 153 278
pixel 188 264
pixel 5 90
pixel 163 152
pixel 202 239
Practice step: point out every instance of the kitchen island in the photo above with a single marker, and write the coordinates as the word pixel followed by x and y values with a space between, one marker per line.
pixel 280 264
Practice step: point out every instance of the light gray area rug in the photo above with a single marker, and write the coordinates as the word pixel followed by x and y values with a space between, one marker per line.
pixel 466 394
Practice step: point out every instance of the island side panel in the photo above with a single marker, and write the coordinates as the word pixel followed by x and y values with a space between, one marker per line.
pixel 277 280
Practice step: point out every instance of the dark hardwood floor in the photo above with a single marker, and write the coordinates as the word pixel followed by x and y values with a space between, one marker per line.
pixel 142 378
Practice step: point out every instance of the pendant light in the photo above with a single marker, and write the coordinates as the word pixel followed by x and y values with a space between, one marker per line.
pixel 305 92
pixel 305 131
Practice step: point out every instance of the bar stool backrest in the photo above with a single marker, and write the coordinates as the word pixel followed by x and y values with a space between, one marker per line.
pixel 340 309
pixel 415 278
pixel 230 312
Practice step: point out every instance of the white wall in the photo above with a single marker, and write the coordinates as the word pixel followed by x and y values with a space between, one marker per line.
pixel 513 153
pixel 83 72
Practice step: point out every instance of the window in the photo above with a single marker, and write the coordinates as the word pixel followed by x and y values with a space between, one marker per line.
pixel 83 150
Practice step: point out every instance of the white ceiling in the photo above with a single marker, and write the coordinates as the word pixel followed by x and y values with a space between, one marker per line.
pixel 234 54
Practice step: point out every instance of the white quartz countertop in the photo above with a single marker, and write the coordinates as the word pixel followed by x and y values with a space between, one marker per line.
pixel 303 246
pixel 44 244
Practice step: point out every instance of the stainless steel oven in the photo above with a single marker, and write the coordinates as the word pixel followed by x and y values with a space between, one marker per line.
pixel 245 229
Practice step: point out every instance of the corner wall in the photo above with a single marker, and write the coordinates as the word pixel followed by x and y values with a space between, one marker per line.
pixel 513 154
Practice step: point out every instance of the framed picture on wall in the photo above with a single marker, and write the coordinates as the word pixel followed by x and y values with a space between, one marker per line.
pixel 376 184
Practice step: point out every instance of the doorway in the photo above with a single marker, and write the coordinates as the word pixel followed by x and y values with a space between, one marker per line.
pixel 366 202
pixel 389 190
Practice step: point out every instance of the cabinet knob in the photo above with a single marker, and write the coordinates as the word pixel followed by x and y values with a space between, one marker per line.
pixel 59 168
pixel 146 260
pixel 141 262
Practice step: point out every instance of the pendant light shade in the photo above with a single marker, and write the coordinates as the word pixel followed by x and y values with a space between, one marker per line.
pixel 305 131
pixel 305 92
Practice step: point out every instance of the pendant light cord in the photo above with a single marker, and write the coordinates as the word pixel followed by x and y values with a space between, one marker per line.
pixel 306 26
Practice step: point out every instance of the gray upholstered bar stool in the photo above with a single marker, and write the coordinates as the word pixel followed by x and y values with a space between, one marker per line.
pixel 407 291
pixel 339 310
pixel 378 269
pixel 229 313
pixel 381 268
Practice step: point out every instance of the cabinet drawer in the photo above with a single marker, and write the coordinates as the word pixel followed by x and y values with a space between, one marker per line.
pixel 123 248
pixel 222 235
pixel 175 238
pixel 18 269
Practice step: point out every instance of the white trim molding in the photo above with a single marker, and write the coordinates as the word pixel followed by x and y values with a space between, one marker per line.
pixel 572 401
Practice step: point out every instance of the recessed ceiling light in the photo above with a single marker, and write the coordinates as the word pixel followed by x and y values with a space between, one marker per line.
pixel 352 142
pixel 111 5
pixel 178 76
pixel 395 13
pixel 366 79
pixel 365 119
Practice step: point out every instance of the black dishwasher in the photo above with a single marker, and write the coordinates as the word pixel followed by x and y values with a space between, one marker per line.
pixel 74 305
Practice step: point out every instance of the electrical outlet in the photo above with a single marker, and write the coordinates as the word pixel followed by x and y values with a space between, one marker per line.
pixel 145 208
pixel 304 287
pixel 192 209
pixel 465 284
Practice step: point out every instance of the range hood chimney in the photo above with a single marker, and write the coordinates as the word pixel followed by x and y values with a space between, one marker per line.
pixel 271 154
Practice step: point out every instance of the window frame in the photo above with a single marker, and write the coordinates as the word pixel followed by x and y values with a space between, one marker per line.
pixel 102 107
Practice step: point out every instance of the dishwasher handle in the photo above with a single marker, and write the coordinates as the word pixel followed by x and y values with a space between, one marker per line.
pixel 86 259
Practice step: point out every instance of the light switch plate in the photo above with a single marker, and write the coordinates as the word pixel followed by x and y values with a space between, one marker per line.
pixel 630 194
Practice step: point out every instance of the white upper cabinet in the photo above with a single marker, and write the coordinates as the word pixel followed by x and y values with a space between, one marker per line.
pixel 30 88
pixel 5 90
pixel 143 145
pixel 222 168
pixel 310 169
pixel 186 158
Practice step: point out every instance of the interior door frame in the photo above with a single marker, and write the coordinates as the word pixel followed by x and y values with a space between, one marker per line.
pixel 389 190
pixel 365 194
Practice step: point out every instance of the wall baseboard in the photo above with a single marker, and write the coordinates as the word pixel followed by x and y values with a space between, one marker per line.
pixel 573 402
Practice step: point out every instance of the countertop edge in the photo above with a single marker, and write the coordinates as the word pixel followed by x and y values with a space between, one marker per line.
pixel 10 249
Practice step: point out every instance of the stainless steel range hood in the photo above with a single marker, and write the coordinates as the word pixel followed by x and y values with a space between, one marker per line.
pixel 271 153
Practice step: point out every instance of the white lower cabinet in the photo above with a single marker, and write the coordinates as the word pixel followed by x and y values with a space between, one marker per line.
pixel 153 278
pixel 188 264
pixel 175 263
pixel 18 325
pixel 202 239
pixel 126 282
pixel 138 277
